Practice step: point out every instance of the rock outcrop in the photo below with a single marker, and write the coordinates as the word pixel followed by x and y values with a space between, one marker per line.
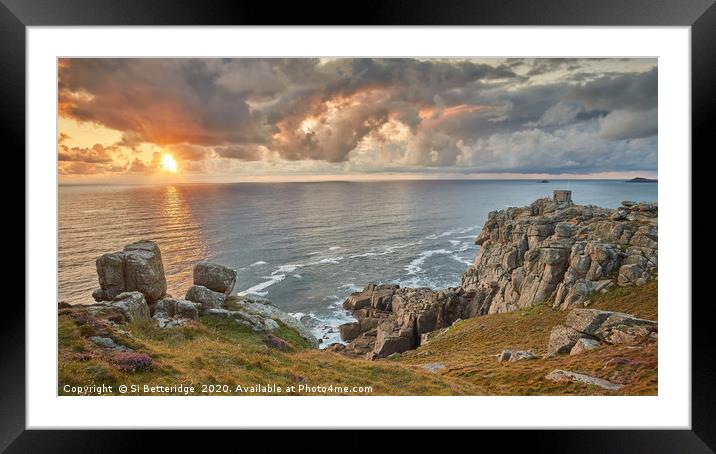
pixel 243 318
pixel 260 314
pixel 208 299
pixel 586 329
pixel 393 320
pixel 584 344
pixel 551 250
pixel 109 344
pixel 132 283
pixel 555 249
pixel 565 375
pixel 511 356
pixel 138 267
pixel 264 308
pixel 169 312
pixel 562 339
pixel 213 276
pixel 212 284
pixel 133 305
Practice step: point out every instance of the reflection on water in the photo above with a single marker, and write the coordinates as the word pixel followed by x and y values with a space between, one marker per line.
pixel 104 219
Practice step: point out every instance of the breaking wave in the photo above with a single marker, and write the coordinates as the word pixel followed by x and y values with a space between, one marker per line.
pixel 415 267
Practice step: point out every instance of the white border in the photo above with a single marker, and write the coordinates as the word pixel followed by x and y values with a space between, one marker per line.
pixel 670 409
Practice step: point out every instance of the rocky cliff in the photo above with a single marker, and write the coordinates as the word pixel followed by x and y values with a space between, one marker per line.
pixel 550 251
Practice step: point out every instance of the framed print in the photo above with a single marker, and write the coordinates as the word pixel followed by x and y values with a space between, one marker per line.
pixel 408 217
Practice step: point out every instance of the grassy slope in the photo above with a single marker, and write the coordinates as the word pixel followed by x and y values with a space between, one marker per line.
pixel 220 352
pixel 468 350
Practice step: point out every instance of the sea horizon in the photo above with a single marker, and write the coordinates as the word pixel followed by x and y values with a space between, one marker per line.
pixel 348 180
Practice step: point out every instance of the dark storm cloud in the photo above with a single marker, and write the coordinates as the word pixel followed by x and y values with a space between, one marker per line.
pixel 548 65
pixel 249 152
pixel 515 115
pixel 412 80
pixel 627 91
pixel 157 101
pixel 332 140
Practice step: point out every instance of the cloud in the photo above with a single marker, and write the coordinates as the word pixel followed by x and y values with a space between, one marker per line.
pixel 187 152
pixel 575 149
pixel 333 129
pixel 627 91
pixel 95 155
pixel 248 152
pixel 88 168
pixel 629 124
pixel 559 114
pixel 138 166
pixel 159 101
pixel 286 115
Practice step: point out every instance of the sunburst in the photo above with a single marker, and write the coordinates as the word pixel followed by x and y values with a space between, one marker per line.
pixel 169 164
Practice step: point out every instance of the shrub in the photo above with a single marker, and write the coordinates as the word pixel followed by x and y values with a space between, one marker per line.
pixel 99 373
pixel 278 343
pixel 87 330
pixel 132 361
pixel 117 318
pixel 83 356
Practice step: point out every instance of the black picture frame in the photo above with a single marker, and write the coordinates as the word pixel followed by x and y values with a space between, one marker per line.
pixel 700 15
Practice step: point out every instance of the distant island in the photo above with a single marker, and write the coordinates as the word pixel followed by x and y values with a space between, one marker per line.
pixel 641 180
pixel 544 181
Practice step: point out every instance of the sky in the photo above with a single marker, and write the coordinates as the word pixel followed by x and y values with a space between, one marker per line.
pixel 305 119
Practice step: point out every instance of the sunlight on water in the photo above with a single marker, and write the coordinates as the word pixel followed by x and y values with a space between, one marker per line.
pixel 99 220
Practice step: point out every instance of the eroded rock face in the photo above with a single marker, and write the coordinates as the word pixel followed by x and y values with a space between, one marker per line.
pixel 110 271
pixel 261 315
pixel 253 321
pixel 511 356
pixel 138 267
pixel 349 331
pixel 264 309
pixel 169 312
pixel 587 329
pixel 108 343
pixel 551 249
pixel 562 339
pixel 393 319
pixel 389 342
pixel 213 276
pixel 144 270
pixel 611 327
pixel 557 249
pixel 565 375
pixel 208 299
pixel 133 305
pixel 584 344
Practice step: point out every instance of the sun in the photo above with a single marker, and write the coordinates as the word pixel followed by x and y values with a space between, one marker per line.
pixel 169 164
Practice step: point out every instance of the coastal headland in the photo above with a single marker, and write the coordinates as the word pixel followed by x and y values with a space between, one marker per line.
pixel 561 299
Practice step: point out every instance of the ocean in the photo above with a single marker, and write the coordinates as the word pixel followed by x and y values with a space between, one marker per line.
pixel 305 246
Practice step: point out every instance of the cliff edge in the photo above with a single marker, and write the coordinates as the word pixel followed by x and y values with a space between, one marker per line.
pixel 549 251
